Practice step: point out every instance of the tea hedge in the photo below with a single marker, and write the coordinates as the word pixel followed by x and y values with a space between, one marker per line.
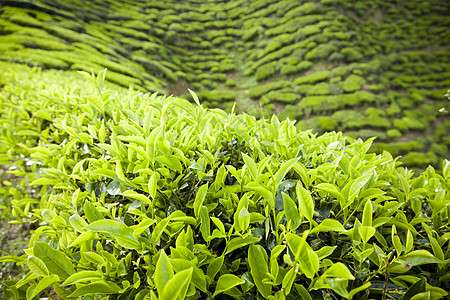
pixel 142 196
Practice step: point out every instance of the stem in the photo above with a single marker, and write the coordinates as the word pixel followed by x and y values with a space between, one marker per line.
pixel 192 189
pixel 332 294
pixel 386 274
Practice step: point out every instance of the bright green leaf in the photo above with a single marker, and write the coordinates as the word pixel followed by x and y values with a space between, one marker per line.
pixel 226 282
pixel 257 259
pixel 56 261
pixel 100 287
pixel 176 287
pixel 121 232
pixel 37 266
pixel 305 202
pixel 163 272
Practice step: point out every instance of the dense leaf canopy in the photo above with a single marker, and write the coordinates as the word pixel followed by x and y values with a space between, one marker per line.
pixel 140 195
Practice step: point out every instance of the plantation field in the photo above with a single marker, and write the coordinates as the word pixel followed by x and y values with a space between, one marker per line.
pixel 208 149
pixel 367 68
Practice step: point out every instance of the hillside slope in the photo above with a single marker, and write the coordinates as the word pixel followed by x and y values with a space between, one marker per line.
pixel 373 68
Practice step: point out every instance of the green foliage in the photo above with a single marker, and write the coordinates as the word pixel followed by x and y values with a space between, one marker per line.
pixel 251 33
pixel 281 97
pixel 351 54
pixel 288 69
pixel 138 194
pixel 170 46
pixel 313 77
pixel 304 88
pixel 189 203
pixel 322 88
pixel 320 52
pixel 377 64
pixel 304 65
pixel 265 71
pixel 217 95
pixel 260 90
pixel 353 83
pixel 420 160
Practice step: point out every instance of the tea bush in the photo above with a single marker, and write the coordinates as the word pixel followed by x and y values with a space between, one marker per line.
pixel 284 97
pixel 217 95
pixel 313 77
pixel 264 89
pixel 353 83
pixel 142 196
pixel 322 88
pixel 304 65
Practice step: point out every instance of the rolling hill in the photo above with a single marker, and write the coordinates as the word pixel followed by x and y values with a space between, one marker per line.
pixel 378 68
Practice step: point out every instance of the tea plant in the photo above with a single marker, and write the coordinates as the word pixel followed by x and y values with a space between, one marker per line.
pixel 141 196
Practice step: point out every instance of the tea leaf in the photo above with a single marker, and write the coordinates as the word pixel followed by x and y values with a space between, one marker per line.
pixel 177 286
pixel 329 188
pixel 83 276
pixel 218 224
pixel 283 170
pixel 152 185
pixel 357 187
pixel 93 258
pixel 291 211
pixel 199 198
pixel 329 225
pixel 205 225
pixel 44 181
pixel 42 285
pixel 99 287
pixel 265 193
pixel 84 237
pixel 37 266
pixel 77 223
pixel 416 289
pixel 226 282
pixel 305 202
pixel 288 280
pixel 367 214
pixel 257 259
pixel 194 96
pixel 92 214
pixel 158 230
pixel 338 270
pixel 239 242
pixel 446 168
pixel 214 266
pixel 366 232
pixel 404 184
pixel 244 218
pixel 361 288
pixel 133 195
pixel 198 277
pixel 325 251
pixel 163 272
pixel 251 166
pixel 55 260
pixel 302 292
pixel 122 233
pixel 307 258
pixel 276 251
pixel 409 242
pixel 171 161
pixel 419 257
